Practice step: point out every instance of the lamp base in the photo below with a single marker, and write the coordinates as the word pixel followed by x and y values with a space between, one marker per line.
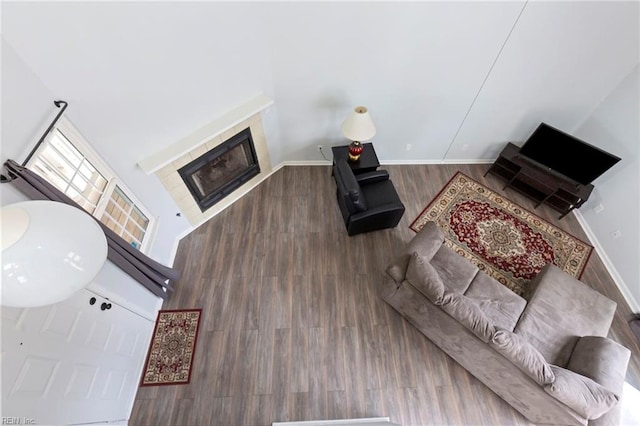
pixel 355 150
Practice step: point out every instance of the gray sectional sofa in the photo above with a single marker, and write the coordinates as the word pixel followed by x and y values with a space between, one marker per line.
pixel 546 354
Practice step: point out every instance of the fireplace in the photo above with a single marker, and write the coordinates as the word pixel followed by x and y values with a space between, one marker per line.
pixel 176 164
pixel 218 172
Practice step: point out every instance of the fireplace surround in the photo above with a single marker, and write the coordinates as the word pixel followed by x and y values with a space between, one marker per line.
pixel 167 162
pixel 220 171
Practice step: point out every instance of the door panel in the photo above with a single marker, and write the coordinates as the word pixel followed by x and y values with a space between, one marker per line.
pixel 34 378
pixel 72 362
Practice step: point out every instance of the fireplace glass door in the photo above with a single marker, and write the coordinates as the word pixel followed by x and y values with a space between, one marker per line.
pixel 218 172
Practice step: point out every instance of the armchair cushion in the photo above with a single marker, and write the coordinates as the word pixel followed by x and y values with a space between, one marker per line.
pixel 583 395
pixel 380 193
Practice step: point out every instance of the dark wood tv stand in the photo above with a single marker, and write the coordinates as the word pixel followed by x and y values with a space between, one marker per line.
pixel 540 183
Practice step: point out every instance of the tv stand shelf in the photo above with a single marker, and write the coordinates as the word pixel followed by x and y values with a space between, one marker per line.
pixel 541 184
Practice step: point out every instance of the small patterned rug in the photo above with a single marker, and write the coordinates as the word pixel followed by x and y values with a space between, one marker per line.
pixel 506 241
pixel 173 345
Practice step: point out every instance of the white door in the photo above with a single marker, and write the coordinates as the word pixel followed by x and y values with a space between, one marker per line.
pixel 72 362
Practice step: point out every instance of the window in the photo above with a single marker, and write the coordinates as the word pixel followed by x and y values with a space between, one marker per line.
pixel 67 161
pixel 125 218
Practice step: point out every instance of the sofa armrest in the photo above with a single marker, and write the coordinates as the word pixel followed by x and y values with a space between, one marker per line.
pixel 371 177
pixel 602 360
pixel 426 243
pixel 583 395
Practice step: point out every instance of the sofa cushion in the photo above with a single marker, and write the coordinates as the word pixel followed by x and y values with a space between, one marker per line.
pixel 425 279
pixel 523 355
pixel 561 310
pixel 456 271
pixel 468 314
pixel 586 397
pixel 501 305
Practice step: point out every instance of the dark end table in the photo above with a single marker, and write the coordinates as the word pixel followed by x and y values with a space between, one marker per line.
pixel 368 161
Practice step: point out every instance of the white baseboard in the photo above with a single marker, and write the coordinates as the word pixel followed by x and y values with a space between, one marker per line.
pixel 468 161
pixel 423 162
pixel 622 286
pixel 174 249
pixel 369 421
pixel 408 162
pixel 305 163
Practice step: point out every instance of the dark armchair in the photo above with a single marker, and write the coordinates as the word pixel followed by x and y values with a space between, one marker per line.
pixel 368 201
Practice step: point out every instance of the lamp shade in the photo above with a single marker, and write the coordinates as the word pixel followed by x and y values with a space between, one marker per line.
pixel 50 250
pixel 359 126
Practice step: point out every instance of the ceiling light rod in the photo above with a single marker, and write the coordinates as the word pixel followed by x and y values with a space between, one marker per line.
pixel 53 123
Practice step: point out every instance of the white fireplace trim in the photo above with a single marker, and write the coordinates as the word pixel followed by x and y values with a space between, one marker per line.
pixel 200 137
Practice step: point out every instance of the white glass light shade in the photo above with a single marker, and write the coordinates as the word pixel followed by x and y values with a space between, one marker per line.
pixel 359 126
pixel 50 250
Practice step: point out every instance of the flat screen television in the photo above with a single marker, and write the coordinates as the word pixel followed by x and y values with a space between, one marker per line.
pixel 567 155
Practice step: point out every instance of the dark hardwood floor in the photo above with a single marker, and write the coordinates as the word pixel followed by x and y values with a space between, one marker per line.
pixel 293 327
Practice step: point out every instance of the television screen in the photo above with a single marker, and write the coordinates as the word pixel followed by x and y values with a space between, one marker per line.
pixel 567 155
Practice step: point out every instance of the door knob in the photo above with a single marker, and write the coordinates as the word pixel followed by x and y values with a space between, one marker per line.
pixel 92 301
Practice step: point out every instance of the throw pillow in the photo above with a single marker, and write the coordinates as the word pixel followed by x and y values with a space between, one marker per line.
pixel 583 395
pixel 467 313
pixel 522 354
pixel 425 279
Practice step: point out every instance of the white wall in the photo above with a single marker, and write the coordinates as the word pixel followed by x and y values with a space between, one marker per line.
pixel 27 109
pixel 561 60
pixel 141 75
pixel 614 126
pixel 416 66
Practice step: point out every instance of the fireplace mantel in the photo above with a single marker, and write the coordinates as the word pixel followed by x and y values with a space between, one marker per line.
pixel 156 161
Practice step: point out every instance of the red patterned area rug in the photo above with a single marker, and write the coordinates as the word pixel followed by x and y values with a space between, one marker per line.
pixel 173 345
pixel 508 242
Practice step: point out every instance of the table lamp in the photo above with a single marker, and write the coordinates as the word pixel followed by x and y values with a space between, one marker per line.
pixel 358 127
pixel 50 250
